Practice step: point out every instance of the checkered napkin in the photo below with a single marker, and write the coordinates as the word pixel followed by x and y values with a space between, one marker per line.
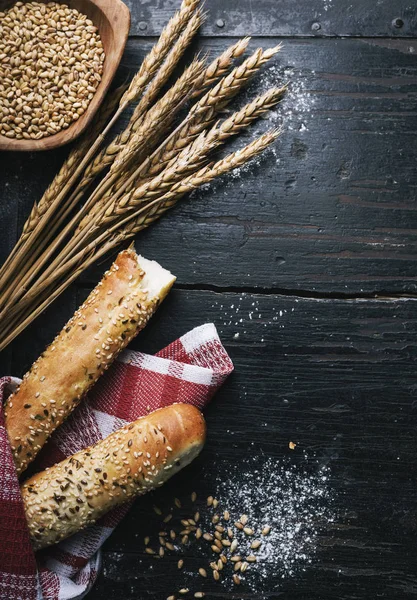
pixel 189 370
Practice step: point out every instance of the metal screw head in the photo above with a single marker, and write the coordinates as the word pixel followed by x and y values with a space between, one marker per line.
pixel 143 25
pixel 220 23
pixel 316 26
pixel 398 23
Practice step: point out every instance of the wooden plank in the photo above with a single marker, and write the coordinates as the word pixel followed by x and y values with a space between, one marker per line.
pixel 330 210
pixel 285 18
pixel 337 378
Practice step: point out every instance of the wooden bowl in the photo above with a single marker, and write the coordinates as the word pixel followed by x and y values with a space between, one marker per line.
pixel 112 18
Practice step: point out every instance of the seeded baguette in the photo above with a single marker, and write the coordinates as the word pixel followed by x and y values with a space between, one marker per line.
pixel 116 310
pixel 137 458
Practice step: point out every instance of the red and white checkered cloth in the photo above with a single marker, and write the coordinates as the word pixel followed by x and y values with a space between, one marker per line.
pixel 188 370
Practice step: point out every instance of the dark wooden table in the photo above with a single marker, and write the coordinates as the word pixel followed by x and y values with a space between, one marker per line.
pixel 315 244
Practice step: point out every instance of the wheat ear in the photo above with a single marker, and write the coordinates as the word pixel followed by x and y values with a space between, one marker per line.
pixel 108 154
pixel 156 56
pixel 220 65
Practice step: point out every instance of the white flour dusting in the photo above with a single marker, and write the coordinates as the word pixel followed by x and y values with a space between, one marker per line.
pixel 295 501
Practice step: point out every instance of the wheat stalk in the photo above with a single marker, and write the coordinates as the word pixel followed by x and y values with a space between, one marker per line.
pixel 161 113
pixel 108 154
pixel 146 215
pixel 190 157
pixel 150 64
pixel 220 65
pixel 204 112
pixel 99 122
pixel 68 167
pixel 146 176
pixel 154 59
pixel 137 222
pixel 189 160
pixel 151 129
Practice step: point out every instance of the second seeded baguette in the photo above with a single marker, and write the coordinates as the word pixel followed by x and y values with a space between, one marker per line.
pixel 131 461
pixel 116 310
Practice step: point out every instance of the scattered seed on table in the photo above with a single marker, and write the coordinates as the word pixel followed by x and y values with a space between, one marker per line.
pixel 197 517
pixel 251 559
pixel 184 591
pixel 256 544
pixel 233 546
pixel 215 519
pixel 236 558
pixel 202 572
pixel 216 549
pixel 244 519
pixel 180 564
pixel 161 552
pixel 215 503
pixel 244 567
pixel 236 579
pixel 237 566
pixel 198 533
pixel 177 502
pixel 210 501
pixel 199 595
pixel 157 510
pixel 193 497
pixel 266 530
pixel 146 540
pixel 216 575
pixel 226 515
pixel 168 518
pixel 223 558
pixel 248 531
pixel 170 546
pixel 149 551
pixel 208 537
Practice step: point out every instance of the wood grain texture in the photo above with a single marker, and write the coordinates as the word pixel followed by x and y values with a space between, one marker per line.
pixel 112 18
pixel 286 18
pixel 337 377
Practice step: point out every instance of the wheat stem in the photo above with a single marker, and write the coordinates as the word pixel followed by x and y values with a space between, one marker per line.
pixel 149 66
pixel 164 110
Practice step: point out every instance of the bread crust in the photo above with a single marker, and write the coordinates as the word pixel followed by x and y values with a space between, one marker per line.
pixel 139 457
pixel 115 311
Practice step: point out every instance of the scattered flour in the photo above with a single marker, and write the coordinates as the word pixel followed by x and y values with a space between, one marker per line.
pixel 296 501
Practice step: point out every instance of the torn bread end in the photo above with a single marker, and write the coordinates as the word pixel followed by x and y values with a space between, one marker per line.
pixel 157 281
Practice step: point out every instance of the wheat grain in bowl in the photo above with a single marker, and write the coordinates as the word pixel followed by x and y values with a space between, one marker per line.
pixel 51 63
